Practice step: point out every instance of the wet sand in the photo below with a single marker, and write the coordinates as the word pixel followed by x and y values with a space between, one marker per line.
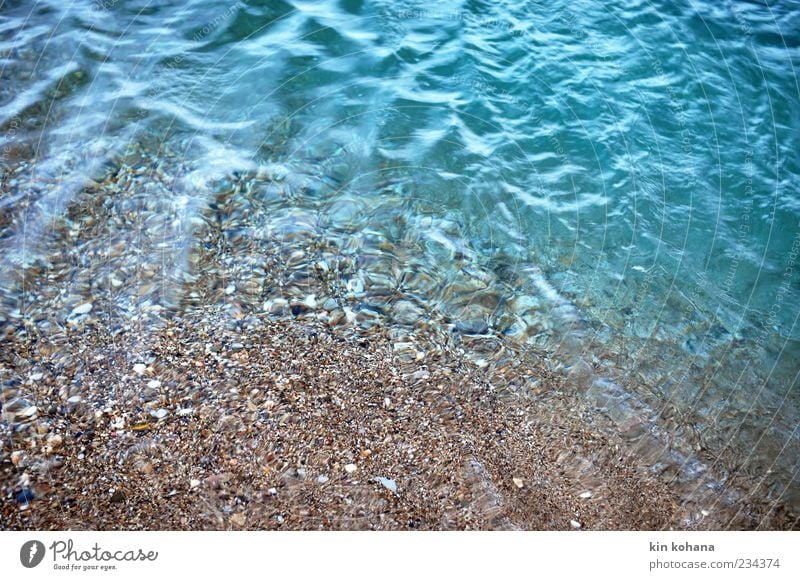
pixel 260 423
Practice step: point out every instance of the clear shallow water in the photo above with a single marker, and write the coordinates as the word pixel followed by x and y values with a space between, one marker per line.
pixel 614 183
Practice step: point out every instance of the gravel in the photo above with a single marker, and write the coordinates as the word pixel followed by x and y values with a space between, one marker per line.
pixel 225 441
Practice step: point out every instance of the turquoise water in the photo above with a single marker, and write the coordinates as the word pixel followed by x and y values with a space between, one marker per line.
pixel 614 182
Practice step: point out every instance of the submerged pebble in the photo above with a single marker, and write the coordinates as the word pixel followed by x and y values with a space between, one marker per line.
pixel 84 308
pixel 389 484
pixel 159 413
pixel 472 326
pixel 17 457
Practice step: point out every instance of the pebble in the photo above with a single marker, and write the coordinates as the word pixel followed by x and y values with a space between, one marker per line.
pixel 139 368
pixel 585 495
pixel 159 413
pixel 84 308
pixel 74 399
pixel 518 482
pixel 389 484
pixel 54 443
pixel 337 316
pixel 580 373
pixel 154 384
pixel 278 306
pixel 17 457
pixel 238 519
pixel 322 479
pixel 25 496
pixel 30 411
pixel 355 287
pixel 472 326
pixel 575 525
pixel 194 483
pixel 37 376
pixel 350 468
pixel 420 375
pixel 230 289
pixel 406 312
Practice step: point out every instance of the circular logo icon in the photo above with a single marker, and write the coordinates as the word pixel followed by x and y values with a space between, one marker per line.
pixel 31 553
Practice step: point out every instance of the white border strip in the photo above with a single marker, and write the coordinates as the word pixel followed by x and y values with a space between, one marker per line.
pixel 388 555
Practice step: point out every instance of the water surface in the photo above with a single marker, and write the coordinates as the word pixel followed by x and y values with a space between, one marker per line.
pixel 612 183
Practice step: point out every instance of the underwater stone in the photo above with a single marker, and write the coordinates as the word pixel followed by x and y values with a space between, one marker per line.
pixel 472 326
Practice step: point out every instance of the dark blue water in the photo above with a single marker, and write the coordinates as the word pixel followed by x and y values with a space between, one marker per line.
pixel 617 183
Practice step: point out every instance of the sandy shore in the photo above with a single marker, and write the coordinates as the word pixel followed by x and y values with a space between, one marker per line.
pixel 217 423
